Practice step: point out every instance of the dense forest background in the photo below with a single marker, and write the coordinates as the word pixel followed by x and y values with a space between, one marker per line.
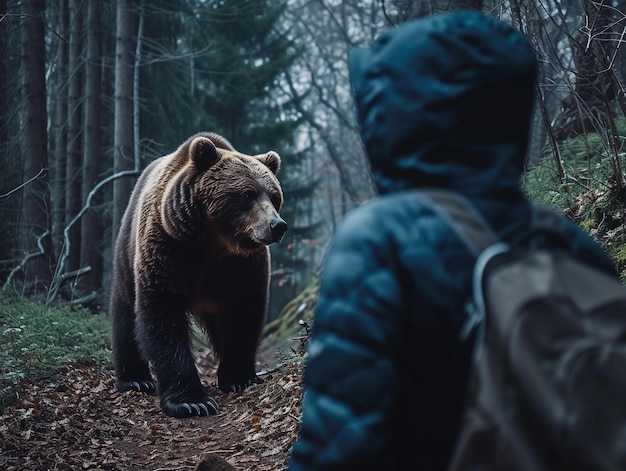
pixel 91 91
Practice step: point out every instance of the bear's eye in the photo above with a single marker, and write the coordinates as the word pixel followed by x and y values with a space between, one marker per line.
pixel 275 198
pixel 249 195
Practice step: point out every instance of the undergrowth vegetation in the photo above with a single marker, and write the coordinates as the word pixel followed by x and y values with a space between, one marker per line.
pixel 38 341
pixel 586 182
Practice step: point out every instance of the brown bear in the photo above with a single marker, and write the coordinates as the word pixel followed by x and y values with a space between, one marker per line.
pixel 194 241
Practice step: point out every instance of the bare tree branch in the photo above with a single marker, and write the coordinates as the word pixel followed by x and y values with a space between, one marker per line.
pixel 27 258
pixel 54 291
pixel 59 277
pixel 32 179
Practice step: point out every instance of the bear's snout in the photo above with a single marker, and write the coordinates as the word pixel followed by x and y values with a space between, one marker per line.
pixel 278 228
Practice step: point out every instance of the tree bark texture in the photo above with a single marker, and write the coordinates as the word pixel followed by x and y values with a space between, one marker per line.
pixel 73 172
pixel 58 127
pixel 3 83
pixel 91 223
pixel 35 205
pixel 584 109
pixel 123 135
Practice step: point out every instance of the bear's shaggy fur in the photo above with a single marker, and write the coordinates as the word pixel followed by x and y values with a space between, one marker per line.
pixel 193 240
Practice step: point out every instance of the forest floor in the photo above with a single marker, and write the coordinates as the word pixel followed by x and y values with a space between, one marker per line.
pixel 77 420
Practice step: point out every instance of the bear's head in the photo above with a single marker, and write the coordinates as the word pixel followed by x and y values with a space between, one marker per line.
pixel 234 196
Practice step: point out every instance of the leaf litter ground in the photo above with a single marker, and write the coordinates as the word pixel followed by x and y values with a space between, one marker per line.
pixel 79 421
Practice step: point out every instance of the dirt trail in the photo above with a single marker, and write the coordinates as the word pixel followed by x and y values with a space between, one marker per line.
pixel 78 421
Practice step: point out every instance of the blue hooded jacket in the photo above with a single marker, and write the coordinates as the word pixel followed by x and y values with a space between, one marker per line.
pixel 443 101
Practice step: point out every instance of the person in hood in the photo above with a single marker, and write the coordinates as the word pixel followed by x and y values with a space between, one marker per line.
pixel 443 101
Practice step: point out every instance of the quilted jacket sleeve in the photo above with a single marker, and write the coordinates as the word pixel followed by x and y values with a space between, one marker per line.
pixel 350 376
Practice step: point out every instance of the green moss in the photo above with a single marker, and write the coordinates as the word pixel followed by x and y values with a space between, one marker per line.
pixel 588 224
pixel 617 250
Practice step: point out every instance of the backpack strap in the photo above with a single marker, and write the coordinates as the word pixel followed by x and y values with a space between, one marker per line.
pixel 476 233
pixel 547 229
pixel 471 227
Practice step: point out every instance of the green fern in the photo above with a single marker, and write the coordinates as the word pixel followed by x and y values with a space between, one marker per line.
pixel 590 190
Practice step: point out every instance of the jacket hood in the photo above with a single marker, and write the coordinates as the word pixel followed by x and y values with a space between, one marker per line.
pixel 446 101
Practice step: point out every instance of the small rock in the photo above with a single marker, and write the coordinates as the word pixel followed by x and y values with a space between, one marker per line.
pixel 214 463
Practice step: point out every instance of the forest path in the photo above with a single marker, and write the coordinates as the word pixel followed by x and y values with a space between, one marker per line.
pixel 79 421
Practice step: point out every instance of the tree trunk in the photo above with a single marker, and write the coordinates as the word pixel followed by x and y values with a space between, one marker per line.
pixel 35 207
pixel 91 223
pixel 7 92
pixel 74 132
pixel 136 104
pixel 59 128
pixel 584 109
pixel 3 83
pixel 123 135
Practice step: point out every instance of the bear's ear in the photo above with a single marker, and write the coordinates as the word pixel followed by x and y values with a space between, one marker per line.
pixel 203 153
pixel 271 160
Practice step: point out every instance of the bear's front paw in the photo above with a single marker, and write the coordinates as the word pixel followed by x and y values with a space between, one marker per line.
pixel 180 410
pixel 238 387
pixel 145 386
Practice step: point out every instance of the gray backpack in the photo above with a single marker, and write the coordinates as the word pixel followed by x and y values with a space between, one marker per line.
pixel 548 389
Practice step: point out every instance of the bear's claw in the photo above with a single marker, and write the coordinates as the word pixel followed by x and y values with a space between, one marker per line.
pixel 145 386
pixel 181 410
pixel 238 387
